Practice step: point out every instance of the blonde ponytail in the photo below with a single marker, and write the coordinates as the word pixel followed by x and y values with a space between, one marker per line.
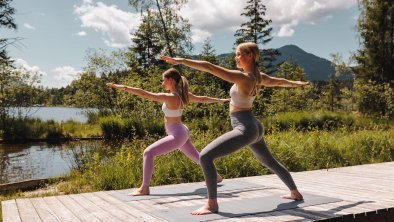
pixel 251 47
pixel 183 90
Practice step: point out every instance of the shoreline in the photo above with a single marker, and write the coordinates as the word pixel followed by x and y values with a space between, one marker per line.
pixel 5 141
pixel 28 185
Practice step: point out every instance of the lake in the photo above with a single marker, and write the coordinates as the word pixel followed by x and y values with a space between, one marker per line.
pixel 39 160
pixel 33 161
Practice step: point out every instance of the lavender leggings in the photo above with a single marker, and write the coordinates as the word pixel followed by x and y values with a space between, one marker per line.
pixel 178 137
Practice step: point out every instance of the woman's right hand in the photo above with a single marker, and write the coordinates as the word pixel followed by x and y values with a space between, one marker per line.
pixel 173 61
pixel 113 85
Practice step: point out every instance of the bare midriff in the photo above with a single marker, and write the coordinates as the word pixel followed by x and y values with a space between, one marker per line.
pixel 234 109
pixel 170 120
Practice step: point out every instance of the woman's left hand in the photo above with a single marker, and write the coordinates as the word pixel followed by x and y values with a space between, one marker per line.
pixel 300 83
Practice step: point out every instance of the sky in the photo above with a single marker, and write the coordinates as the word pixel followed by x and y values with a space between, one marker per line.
pixel 56 34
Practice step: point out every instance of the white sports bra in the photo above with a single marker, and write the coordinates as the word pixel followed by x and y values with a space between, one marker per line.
pixel 172 112
pixel 240 101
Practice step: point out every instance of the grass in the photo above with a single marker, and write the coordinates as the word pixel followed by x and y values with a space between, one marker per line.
pixel 81 130
pixel 25 129
pixel 297 150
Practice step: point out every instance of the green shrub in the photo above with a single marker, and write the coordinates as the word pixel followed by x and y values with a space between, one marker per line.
pixel 111 127
pixel 304 121
pixel 20 129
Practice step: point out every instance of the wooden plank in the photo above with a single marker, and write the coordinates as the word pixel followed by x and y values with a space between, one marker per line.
pixel 61 211
pixel 93 209
pixel 10 211
pixel 365 190
pixel 77 209
pixel 282 217
pixel 27 211
pixel 127 207
pixel 104 205
pixel 303 214
pixel 43 210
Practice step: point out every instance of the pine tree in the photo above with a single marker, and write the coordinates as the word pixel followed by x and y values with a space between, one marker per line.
pixel 172 29
pixel 256 30
pixel 147 42
pixel 208 53
pixel 376 29
pixel 7 21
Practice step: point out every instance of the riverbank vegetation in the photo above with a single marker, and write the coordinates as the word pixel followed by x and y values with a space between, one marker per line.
pixel 33 129
pixel 119 166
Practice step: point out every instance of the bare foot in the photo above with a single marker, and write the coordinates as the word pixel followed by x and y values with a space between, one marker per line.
pixel 211 207
pixel 143 190
pixel 219 179
pixel 293 195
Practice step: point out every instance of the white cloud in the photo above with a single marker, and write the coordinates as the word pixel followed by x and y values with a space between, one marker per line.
pixel 28 26
pixel 209 17
pixel 284 11
pixel 66 74
pixel 199 35
pixel 22 66
pixel 214 16
pixel 34 72
pixel 81 33
pixel 287 14
pixel 113 23
pixel 285 30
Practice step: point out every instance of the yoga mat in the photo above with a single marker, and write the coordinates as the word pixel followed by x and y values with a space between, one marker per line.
pixel 243 207
pixel 182 190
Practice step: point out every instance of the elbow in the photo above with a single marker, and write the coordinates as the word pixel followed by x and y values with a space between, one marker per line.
pixel 209 67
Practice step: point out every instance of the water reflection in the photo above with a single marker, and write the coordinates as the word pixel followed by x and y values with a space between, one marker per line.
pixel 33 161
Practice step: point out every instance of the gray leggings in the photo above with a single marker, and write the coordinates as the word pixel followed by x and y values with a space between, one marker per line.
pixel 246 131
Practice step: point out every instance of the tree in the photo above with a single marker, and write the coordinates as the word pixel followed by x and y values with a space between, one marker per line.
pixel 289 99
pixel 99 61
pixel 256 30
pixel 208 53
pixel 376 30
pixel 7 21
pixel 289 70
pixel 147 41
pixel 170 27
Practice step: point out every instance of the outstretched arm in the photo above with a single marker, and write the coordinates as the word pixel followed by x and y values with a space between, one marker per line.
pixel 233 76
pixel 205 99
pixel 158 97
pixel 270 81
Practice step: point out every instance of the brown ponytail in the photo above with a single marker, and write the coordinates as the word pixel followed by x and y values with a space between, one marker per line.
pixel 182 85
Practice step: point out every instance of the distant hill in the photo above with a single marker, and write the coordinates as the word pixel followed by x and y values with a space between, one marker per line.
pixel 316 68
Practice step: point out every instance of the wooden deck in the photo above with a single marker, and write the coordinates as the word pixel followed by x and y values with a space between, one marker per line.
pixel 366 193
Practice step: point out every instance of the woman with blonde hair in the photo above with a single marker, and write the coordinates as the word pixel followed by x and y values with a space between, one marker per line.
pixel 247 131
pixel 177 133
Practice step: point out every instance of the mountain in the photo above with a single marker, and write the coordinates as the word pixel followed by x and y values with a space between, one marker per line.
pixel 316 68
